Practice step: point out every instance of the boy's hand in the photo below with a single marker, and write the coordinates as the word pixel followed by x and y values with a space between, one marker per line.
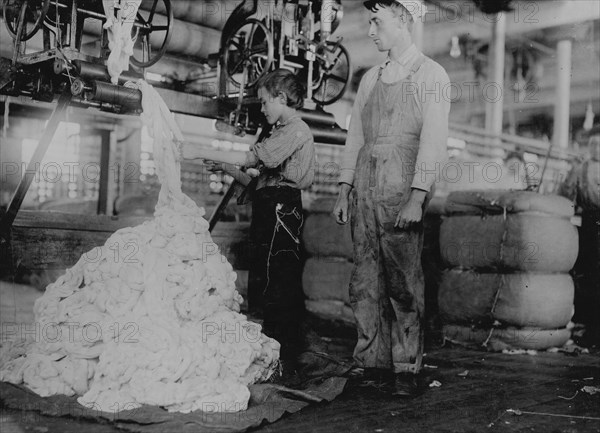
pixel 212 166
pixel 253 172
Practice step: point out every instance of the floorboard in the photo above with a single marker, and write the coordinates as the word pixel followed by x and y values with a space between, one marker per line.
pixel 546 384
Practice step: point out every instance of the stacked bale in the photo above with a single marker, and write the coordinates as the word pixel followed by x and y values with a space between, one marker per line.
pixel 327 271
pixel 509 254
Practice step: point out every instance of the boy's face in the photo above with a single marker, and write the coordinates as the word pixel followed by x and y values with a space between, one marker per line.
pixel 385 28
pixel 271 106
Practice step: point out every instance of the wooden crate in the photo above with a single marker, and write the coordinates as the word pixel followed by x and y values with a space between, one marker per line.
pixel 44 244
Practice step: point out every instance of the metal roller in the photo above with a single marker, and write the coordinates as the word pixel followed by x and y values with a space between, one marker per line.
pixel 96 72
pixel 116 95
pixel 328 135
pixel 317 117
pixel 187 39
pixel 208 13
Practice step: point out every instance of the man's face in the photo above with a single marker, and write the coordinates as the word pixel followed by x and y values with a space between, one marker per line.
pixel 271 106
pixel 385 28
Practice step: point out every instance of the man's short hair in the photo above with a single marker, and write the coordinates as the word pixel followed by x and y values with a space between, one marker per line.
pixel 397 9
pixel 285 81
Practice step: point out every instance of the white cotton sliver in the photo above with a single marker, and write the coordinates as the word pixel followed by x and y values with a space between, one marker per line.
pixel 119 31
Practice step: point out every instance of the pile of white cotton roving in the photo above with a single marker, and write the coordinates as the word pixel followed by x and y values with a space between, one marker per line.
pixel 151 317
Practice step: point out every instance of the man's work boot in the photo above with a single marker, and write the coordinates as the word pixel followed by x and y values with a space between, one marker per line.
pixel 405 385
pixel 376 378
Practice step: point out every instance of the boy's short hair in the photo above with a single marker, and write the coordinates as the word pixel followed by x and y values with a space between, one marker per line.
pixel 283 80
pixel 397 9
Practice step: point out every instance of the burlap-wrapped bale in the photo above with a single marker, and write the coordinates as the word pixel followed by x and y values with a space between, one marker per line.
pixel 332 310
pixel 323 237
pixel 524 300
pixel 327 278
pixel 513 242
pixel 485 202
pixel 507 339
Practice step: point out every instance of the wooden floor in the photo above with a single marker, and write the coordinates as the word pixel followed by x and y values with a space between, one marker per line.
pixel 477 391
pixel 475 402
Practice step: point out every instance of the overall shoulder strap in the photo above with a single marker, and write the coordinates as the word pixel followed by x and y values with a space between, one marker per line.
pixel 417 65
pixel 381 68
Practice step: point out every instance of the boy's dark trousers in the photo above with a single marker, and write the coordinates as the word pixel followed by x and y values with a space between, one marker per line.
pixel 275 277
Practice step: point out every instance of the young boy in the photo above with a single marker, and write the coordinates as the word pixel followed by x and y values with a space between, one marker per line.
pixel 286 162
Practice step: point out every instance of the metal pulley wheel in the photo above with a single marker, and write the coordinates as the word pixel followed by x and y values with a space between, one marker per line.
pixel 333 73
pixel 151 34
pixel 30 12
pixel 77 87
pixel 249 50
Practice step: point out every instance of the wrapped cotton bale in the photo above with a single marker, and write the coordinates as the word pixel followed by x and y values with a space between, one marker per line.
pixel 513 242
pixel 507 338
pixel 331 310
pixel 509 230
pixel 327 278
pixel 323 237
pixel 327 271
pixel 486 202
pixel 525 300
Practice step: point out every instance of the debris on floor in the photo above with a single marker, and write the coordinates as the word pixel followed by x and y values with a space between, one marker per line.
pixel 590 389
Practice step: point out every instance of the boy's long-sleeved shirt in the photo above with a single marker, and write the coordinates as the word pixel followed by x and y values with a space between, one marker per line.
pixel 288 155
pixel 432 94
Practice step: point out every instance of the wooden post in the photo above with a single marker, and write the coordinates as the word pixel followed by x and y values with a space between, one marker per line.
pixel 32 168
pixel 102 208
pixel 563 94
pixel 129 167
pixel 493 91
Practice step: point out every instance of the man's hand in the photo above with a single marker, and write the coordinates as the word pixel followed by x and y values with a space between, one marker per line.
pixel 409 215
pixel 340 210
pixel 412 212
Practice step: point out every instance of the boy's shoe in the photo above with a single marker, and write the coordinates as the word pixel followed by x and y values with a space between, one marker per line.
pixel 287 373
pixel 405 385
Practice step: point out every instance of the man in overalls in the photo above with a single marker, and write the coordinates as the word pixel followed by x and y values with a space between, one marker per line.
pixel 394 152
